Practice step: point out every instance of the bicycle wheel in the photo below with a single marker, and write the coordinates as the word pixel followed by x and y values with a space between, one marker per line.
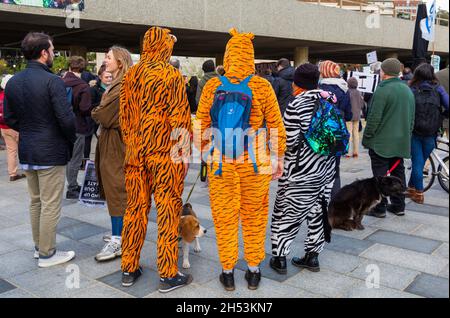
pixel 443 176
pixel 429 173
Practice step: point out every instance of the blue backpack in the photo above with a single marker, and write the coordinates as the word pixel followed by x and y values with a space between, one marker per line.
pixel 230 115
pixel 69 94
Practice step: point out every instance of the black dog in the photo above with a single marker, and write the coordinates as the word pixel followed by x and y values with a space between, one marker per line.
pixel 347 209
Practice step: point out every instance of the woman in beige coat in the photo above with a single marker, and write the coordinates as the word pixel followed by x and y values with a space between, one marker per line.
pixel 110 152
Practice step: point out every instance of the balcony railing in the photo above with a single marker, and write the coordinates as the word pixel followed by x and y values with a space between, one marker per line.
pixel 388 8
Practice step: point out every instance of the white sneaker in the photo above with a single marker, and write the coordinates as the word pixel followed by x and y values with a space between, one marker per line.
pixel 59 257
pixel 110 251
pixel 106 238
pixel 36 254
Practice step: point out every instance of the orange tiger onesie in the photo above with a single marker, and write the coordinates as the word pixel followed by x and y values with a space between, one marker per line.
pixel 240 193
pixel 153 105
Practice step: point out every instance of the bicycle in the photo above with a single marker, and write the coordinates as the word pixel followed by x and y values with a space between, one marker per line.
pixel 430 171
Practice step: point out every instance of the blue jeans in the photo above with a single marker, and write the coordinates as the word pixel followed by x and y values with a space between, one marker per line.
pixel 421 148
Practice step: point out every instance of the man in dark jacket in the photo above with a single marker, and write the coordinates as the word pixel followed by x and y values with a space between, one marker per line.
pixel 331 81
pixel 36 106
pixel 283 83
pixel 82 106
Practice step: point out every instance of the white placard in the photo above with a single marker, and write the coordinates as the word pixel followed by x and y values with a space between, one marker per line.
pixel 372 57
pixel 367 83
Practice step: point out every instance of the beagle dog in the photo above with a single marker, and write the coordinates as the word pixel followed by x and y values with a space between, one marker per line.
pixel 190 231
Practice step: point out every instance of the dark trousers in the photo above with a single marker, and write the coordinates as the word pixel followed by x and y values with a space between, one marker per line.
pixel 380 166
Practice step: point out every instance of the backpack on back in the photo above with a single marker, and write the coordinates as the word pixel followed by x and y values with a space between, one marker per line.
pixel 230 115
pixel 428 116
pixel 69 95
pixel 327 134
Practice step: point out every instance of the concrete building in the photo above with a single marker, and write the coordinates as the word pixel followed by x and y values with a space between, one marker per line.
pixel 283 28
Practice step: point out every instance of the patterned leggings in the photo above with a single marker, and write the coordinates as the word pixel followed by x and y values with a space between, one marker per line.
pixel 164 179
pixel 294 204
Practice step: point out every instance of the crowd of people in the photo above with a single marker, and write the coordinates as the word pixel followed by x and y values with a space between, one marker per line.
pixel 139 107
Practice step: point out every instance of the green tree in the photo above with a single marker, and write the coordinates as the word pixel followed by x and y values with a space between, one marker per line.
pixel 60 63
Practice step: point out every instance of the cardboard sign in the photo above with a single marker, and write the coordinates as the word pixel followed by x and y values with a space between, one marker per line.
pixel 367 83
pixel 436 62
pixel 90 190
pixel 372 57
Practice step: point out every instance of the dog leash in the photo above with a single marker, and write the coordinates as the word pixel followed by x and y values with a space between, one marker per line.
pixel 193 186
pixel 393 167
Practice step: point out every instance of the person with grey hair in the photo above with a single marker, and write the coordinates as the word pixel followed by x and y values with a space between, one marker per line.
pixel 175 63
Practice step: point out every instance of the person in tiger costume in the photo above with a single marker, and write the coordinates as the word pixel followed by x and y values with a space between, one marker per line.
pixel 156 125
pixel 240 193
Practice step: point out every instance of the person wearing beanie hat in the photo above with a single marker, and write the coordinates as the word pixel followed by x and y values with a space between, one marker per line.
pixel 237 192
pixel 302 190
pixel 332 82
pixel 209 70
pixel 329 69
pixel 307 76
pixel 391 67
pixel 357 102
pixel 388 132
pixel 11 137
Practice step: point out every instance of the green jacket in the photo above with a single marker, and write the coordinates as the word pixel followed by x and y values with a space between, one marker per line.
pixel 390 121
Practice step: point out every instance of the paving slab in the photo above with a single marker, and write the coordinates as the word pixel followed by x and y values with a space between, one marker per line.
pixel 81 231
pixel 435 232
pixel 409 242
pixel 391 276
pixel 329 283
pixel 145 285
pixel 53 282
pixel 429 286
pixel 404 258
pixel 5 286
pixel 427 208
pixel 348 245
pixel 361 291
pixel 267 288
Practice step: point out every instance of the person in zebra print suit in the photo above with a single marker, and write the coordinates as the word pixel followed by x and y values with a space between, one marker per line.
pixel 302 191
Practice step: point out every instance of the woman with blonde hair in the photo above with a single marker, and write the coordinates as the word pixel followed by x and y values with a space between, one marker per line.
pixel 110 152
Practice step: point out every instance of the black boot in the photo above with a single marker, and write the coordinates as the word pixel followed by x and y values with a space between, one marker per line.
pixel 227 281
pixel 253 279
pixel 310 261
pixel 278 264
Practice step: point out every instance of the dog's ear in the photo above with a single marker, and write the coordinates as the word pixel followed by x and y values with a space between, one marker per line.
pixel 187 229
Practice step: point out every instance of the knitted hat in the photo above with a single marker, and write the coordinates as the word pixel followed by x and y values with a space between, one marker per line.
pixel 391 67
pixel 5 80
pixel 352 82
pixel 329 69
pixel 307 76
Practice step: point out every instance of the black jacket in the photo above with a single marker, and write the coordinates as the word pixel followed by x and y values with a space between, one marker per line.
pixel 283 87
pixel 36 106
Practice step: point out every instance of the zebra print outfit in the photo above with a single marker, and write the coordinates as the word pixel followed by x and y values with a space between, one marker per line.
pixel 301 192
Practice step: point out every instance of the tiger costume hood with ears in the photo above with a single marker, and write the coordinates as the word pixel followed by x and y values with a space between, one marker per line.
pixel 158 45
pixel 239 60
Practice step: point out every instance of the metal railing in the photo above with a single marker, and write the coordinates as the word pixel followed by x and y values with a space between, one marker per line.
pixel 370 7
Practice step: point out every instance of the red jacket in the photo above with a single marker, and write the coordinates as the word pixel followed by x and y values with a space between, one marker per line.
pixel 2 121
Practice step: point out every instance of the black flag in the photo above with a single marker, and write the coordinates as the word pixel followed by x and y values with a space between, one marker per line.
pixel 420 46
